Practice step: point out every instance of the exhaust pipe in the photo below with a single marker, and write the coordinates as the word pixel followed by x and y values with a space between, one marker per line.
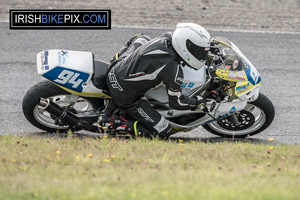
pixel 64 115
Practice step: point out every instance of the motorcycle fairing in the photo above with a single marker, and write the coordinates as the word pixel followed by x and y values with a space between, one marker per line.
pixel 193 79
pixel 223 110
pixel 68 78
pixel 70 70
pixel 237 68
pixel 244 79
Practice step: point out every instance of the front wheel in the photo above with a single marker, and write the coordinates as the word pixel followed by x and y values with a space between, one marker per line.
pixel 44 120
pixel 255 117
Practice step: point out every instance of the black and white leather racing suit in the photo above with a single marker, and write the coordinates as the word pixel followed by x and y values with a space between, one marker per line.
pixel 142 65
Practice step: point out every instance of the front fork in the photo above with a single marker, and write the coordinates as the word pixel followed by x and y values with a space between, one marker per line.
pixel 234 120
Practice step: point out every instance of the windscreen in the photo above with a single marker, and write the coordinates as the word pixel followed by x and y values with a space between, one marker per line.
pixel 235 60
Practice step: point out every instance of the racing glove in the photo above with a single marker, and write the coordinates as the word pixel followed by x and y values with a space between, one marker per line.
pixel 200 104
pixel 214 48
pixel 219 57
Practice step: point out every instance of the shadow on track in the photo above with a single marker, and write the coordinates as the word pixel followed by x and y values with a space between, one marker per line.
pixel 221 139
pixel 66 135
pixel 173 139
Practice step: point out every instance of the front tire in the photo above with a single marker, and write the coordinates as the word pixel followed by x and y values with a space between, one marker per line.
pixel 42 119
pixel 256 117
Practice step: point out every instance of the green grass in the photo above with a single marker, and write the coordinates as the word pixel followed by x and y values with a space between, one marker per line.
pixel 73 168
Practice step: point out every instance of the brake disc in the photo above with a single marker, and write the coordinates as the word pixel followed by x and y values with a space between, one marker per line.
pixel 246 119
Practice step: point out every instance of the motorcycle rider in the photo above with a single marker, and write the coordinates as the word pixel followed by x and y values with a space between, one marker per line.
pixel 145 63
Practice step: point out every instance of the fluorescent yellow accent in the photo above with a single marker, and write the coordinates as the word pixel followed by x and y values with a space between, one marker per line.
pixel 225 74
pixel 223 44
pixel 234 76
pixel 135 129
pixel 86 94
pixel 117 56
pixel 137 35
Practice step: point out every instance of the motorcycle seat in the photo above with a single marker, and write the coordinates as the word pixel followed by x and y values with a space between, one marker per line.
pixel 99 76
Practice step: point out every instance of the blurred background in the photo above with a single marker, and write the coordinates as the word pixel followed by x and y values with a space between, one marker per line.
pixel 256 15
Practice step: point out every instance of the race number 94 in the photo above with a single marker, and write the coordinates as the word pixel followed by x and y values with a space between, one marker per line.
pixel 67 76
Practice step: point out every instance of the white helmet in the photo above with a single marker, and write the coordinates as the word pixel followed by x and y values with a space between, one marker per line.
pixel 191 42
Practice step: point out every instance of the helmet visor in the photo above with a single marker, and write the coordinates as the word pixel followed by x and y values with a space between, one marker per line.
pixel 198 52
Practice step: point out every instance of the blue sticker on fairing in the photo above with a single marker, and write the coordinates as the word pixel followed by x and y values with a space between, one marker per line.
pixel 231 111
pixel 252 75
pixel 68 78
pixel 190 85
pixel 46 58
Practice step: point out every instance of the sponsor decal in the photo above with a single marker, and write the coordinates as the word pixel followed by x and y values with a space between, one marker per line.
pixel 62 57
pixel 144 115
pixel 231 111
pixel 64 53
pixel 240 78
pixel 188 85
pixel 137 74
pixel 235 64
pixel 60 19
pixel 42 60
pixel 241 73
pixel 233 75
pixel 243 88
pixel 186 56
pixel 161 125
pixel 46 58
pixel 114 82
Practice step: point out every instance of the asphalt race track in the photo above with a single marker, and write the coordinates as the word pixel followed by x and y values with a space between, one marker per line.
pixel 276 56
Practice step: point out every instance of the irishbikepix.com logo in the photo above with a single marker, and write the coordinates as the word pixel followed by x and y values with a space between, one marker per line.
pixel 60 19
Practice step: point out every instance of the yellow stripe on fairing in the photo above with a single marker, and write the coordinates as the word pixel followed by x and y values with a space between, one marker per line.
pixel 137 35
pixel 86 94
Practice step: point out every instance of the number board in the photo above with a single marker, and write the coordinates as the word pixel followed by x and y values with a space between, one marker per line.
pixel 253 75
pixel 67 78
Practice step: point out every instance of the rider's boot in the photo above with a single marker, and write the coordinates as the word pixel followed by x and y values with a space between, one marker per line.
pixel 117 123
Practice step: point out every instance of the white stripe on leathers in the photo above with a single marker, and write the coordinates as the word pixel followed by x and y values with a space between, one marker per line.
pixel 155 52
pixel 147 76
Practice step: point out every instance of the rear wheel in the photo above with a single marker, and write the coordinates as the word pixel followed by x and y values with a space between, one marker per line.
pixel 41 118
pixel 255 117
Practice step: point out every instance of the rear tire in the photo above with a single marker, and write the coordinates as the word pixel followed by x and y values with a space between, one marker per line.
pixel 47 89
pixel 267 115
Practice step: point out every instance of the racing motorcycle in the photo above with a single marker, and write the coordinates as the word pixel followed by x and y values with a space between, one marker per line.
pixel 75 95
